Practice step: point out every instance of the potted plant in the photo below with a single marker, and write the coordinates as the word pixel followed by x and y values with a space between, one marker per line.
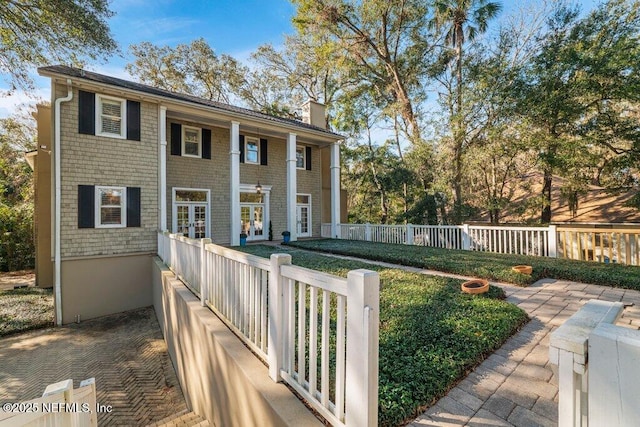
pixel 286 235
pixel 243 238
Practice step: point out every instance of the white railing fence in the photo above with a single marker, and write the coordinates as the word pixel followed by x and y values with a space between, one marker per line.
pixel 60 406
pixel 616 245
pixel 316 332
pixel 598 379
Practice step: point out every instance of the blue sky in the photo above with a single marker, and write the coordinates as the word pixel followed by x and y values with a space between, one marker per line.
pixel 235 27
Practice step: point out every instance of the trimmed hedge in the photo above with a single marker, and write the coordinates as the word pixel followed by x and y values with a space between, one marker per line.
pixel 431 334
pixel 483 264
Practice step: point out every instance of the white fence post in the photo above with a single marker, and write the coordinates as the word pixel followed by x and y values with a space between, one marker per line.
pixel 367 232
pixel 275 350
pixel 553 242
pixel 466 238
pixel 65 387
pixel 409 240
pixel 362 348
pixel 204 272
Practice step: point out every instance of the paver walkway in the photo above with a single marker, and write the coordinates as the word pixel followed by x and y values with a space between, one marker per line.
pixel 125 353
pixel 516 385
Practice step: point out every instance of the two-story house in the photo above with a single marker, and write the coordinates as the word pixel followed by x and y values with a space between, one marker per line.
pixel 119 161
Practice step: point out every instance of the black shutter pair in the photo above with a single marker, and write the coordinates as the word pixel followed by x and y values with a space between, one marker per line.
pixel 263 150
pixel 87 206
pixel 87 116
pixel 176 141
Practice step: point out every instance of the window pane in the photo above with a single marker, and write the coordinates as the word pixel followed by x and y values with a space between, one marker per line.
pixel 191 148
pixel 251 198
pixel 111 108
pixel 110 125
pixel 302 199
pixel 110 197
pixel 252 152
pixel 191 135
pixel 191 196
pixel 300 157
pixel 110 216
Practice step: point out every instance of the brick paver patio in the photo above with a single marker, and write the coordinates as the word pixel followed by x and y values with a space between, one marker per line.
pixel 125 353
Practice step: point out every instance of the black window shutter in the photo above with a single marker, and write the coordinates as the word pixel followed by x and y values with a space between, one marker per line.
pixel 206 143
pixel 263 152
pixel 176 139
pixel 133 206
pixel 241 148
pixel 308 158
pixel 86 112
pixel 86 206
pixel 133 120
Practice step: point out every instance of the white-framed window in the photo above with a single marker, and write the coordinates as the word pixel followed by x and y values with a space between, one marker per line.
pixel 251 151
pixel 301 158
pixel 111 207
pixel 191 141
pixel 111 116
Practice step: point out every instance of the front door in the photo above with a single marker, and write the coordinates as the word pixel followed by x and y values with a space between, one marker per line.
pixel 191 220
pixel 252 220
pixel 303 219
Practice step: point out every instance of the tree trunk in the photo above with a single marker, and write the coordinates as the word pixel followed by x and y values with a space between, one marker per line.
pixel 546 194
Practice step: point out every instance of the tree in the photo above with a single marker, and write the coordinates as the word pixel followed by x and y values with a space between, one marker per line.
pixel 17 135
pixel 461 20
pixel 41 32
pixel 194 69
pixel 577 88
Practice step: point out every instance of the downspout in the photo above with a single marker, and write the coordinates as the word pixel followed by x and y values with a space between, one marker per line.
pixel 58 195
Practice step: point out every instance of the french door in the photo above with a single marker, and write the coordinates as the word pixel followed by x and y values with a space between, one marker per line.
pixel 191 212
pixel 252 220
pixel 191 220
pixel 303 215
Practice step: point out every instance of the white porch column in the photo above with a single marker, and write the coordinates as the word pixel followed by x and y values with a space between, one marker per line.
pixel 335 189
pixel 292 187
pixel 234 190
pixel 162 167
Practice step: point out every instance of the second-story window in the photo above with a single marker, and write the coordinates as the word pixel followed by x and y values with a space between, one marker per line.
pixel 191 142
pixel 110 116
pixel 252 151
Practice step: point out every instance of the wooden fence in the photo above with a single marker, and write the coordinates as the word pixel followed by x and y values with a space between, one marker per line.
pixel 317 332
pixel 605 243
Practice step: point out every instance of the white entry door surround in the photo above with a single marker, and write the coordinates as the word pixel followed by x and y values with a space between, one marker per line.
pixel 303 208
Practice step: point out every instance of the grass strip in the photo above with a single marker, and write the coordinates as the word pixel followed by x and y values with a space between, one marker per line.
pixel 484 265
pixel 25 309
pixel 431 334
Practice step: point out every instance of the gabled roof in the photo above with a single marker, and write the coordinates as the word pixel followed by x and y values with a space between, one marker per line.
pixel 78 73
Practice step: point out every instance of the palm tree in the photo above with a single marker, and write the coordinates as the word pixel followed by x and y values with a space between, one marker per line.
pixel 462 20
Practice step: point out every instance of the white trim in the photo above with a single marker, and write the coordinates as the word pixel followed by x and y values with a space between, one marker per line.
pixel 162 170
pixel 248 139
pixel 304 157
pixel 123 116
pixel 309 219
pixel 174 208
pixel 234 183
pixel 292 186
pixel 123 206
pixel 184 140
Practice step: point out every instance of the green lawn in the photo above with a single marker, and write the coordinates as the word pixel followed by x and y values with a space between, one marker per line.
pixel 431 334
pixel 25 309
pixel 483 264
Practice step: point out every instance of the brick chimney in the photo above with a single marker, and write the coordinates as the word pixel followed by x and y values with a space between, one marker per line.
pixel 314 113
